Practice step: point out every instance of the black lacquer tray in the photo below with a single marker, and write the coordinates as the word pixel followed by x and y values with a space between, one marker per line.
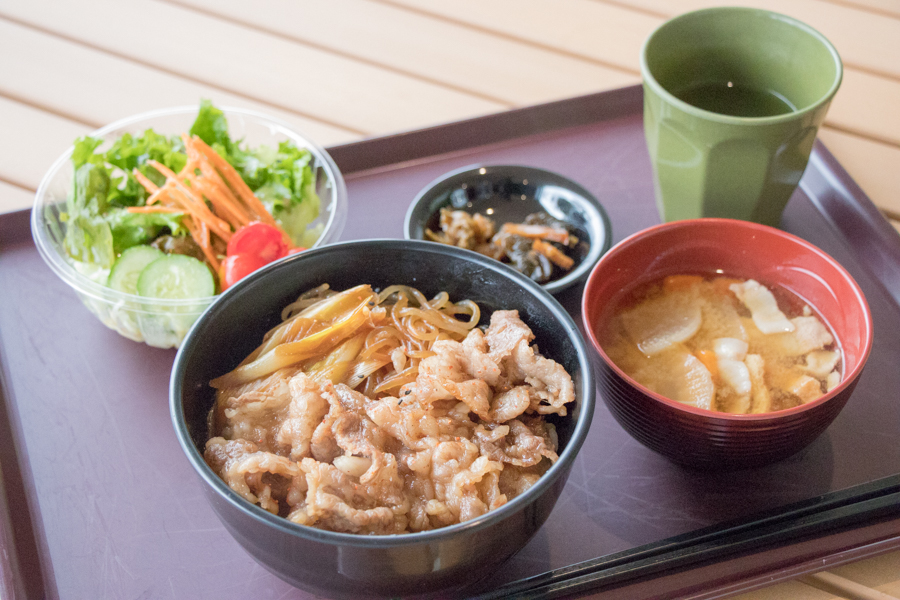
pixel 99 502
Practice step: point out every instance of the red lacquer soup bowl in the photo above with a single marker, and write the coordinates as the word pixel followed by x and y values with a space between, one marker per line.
pixel 705 438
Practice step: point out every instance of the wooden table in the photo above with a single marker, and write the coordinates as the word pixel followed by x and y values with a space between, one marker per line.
pixel 344 70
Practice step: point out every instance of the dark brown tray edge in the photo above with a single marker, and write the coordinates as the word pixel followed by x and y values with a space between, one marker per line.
pixel 391 150
pixel 873 239
pixel 20 541
pixel 729 575
pixel 11 584
pixel 816 519
pixel 15 226
pixel 842 549
pixel 19 544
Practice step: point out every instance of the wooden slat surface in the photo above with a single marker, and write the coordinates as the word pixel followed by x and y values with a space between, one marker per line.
pixel 101 87
pixel 876 165
pixel 596 23
pixel 342 70
pixel 23 163
pixel 15 197
pixel 317 83
pixel 865 40
pixel 881 7
pixel 866 104
pixel 460 57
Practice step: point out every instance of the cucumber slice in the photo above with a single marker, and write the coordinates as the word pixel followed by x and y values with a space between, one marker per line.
pixel 126 270
pixel 176 276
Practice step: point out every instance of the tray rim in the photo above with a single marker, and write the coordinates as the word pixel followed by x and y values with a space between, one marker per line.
pixel 861 225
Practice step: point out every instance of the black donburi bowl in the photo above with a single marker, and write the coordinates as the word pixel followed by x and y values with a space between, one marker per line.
pixel 347 565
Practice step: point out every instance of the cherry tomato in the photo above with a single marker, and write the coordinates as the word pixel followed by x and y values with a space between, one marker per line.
pixel 258 239
pixel 238 266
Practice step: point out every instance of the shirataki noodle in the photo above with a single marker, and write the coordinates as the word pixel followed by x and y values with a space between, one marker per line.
pixel 387 412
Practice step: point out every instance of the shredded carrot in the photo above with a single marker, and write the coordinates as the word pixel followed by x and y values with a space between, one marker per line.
pixel 192 203
pixel 537 232
pixel 674 283
pixel 153 209
pixel 211 180
pixel 232 178
pixel 145 181
pixel 228 211
pixel 181 196
pixel 215 182
pixel 233 183
pixel 556 256
pixel 207 247
pixel 154 197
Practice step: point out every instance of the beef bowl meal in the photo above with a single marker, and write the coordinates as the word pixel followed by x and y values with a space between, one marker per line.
pixel 723 343
pixel 538 222
pixel 150 218
pixel 383 418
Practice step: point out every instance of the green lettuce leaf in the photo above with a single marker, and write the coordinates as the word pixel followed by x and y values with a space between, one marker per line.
pixel 130 229
pixel 129 152
pixel 287 187
pixel 83 151
pixel 98 226
pixel 211 126
pixel 90 189
pixel 89 240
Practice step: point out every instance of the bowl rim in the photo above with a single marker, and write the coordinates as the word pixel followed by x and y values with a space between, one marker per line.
pixel 84 285
pixel 639 237
pixel 591 205
pixel 259 515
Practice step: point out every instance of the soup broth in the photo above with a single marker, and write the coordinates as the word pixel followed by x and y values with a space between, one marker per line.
pixel 723 344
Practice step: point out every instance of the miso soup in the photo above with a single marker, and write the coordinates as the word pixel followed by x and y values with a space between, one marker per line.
pixel 723 344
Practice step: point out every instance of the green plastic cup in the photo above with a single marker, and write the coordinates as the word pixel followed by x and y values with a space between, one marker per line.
pixel 733 99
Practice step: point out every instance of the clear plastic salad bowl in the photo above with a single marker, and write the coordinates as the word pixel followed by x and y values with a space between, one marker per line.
pixel 163 323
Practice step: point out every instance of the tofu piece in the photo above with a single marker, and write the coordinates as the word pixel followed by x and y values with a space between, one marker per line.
pixel 819 363
pixel 728 401
pixel 730 353
pixel 730 348
pixel 806 388
pixel 809 334
pixel 736 375
pixel 762 306
pixel 761 400
pixel 832 380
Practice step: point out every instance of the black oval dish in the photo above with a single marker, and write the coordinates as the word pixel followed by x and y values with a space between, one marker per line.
pixel 341 565
pixel 509 193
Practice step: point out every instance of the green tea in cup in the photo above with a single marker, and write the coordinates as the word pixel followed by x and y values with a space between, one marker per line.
pixel 730 98
pixel 733 99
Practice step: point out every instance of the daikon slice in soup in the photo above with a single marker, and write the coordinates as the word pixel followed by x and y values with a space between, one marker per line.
pixel 723 344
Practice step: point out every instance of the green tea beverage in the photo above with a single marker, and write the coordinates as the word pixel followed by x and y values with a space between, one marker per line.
pixel 733 99
pixel 729 98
